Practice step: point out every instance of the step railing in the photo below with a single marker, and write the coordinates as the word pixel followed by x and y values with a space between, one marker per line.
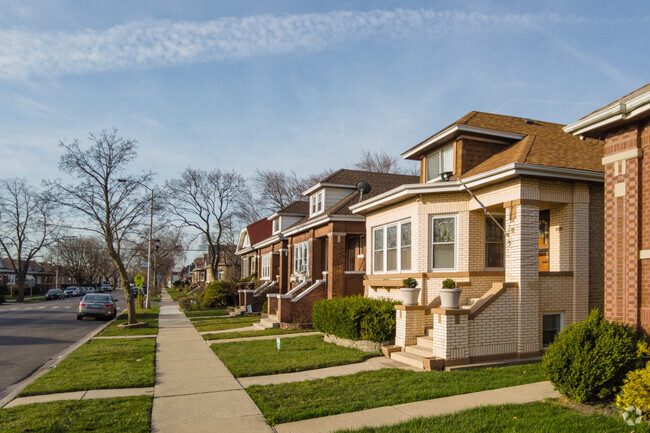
pixel 308 290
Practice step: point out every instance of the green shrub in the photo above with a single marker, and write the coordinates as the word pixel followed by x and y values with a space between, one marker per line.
pixel 636 391
pixel 265 307
pixel 356 318
pixel 449 284
pixel 214 294
pixel 410 281
pixel 184 302
pixel 588 360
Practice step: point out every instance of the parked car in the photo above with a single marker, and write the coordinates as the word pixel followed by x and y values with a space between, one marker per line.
pixel 70 292
pixel 106 287
pixel 92 290
pixel 54 294
pixel 82 291
pixel 97 305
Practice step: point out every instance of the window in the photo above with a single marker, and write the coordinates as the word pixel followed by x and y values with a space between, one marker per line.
pixel 301 258
pixel 351 255
pixel 362 246
pixel 439 162
pixel 320 201
pixel 443 249
pixel 254 265
pixel 244 267
pixel 317 205
pixel 392 248
pixel 11 279
pixel 276 225
pixel 220 276
pixel 494 243
pixel 551 326
pixel 266 267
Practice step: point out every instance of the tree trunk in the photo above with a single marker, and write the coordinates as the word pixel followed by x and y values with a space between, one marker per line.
pixel 126 287
pixel 20 284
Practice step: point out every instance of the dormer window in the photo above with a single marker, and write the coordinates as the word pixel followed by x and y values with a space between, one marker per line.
pixel 276 225
pixel 317 204
pixel 438 162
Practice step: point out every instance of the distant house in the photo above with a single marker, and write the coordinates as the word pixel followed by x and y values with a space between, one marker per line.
pixel 41 276
pixel 625 126
pixel 526 270
pixel 228 267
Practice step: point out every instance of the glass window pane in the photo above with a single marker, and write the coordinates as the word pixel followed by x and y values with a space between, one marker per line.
pixel 443 230
pixel 492 231
pixel 391 237
pixel 379 239
pixel 378 261
pixel 448 159
pixel 406 259
pixel 433 166
pixel 406 234
pixel 391 260
pixel 494 255
pixel 443 256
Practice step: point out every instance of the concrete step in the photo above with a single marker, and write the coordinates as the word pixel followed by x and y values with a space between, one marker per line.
pixel 424 352
pixel 273 317
pixel 267 323
pixel 425 341
pixel 407 358
pixel 237 312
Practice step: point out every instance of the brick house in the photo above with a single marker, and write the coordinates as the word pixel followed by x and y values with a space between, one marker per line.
pixel 624 125
pixel 228 267
pixel 543 186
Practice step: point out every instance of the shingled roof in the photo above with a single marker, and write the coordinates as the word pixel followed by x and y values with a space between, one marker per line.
pixel 259 230
pixel 295 208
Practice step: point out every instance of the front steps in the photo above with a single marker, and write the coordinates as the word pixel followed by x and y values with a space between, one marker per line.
pixel 418 355
pixel 267 323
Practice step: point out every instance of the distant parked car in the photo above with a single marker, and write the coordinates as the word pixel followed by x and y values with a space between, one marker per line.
pixel 107 287
pixel 97 305
pixel 92 290
pixel 54 294
pixel 82 290
pixel 70 292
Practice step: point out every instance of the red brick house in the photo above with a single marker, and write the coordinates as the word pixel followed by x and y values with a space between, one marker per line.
pixel 524 275
pixel 625 126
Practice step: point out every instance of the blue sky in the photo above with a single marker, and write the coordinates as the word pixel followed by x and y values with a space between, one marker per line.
pixel 297 85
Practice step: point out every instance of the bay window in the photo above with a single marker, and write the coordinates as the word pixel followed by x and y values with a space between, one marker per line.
pixel 392 247
pixel 443 242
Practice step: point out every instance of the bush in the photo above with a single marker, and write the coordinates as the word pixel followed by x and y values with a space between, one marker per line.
pixel 215 294
pixel 265 307
pixel 184 302
pixel 636 391
pixel 588 360
pixel 356 318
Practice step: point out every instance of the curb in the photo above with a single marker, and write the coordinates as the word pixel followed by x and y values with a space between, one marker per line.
pixel 17 388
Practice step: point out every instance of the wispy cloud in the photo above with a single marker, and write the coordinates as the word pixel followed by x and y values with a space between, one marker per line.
pixel 146 44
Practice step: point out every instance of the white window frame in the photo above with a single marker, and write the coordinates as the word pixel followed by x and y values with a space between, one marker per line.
pixel 11 279
pixel 265 268
pixel 432 218
pixel 301 258
pixel 398 226
pixel 254 265
pixel 317 203
pixel 276 225
pixel 440 162
pixel 245 270
pixel 552 313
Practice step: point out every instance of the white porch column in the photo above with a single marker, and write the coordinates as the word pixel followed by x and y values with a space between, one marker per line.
pixel 522 267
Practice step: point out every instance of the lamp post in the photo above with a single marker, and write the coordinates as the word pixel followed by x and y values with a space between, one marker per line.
pixel 147 303
pixel 155 267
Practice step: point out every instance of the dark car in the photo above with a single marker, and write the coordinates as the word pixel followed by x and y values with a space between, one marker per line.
pixel 97 305
pixel 54 294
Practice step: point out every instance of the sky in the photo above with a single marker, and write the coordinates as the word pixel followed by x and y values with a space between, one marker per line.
pixel 297 85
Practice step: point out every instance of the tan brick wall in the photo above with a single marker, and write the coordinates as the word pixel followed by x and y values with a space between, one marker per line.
pixel 409 325
pixel 494 331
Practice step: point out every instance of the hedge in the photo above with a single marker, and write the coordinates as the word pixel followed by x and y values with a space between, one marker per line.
pixel 356 318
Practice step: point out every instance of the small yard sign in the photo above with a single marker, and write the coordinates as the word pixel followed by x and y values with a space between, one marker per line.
pixel 277 342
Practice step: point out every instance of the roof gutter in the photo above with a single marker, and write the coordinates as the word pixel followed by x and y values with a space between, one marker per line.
pixel 615 112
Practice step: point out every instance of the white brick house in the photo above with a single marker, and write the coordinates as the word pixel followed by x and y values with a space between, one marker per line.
pixel 544 187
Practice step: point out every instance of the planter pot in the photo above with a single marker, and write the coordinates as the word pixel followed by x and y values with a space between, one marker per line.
pixel 450 298
pixel 410 295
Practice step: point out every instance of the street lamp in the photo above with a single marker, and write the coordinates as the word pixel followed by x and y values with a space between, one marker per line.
pixel 147 304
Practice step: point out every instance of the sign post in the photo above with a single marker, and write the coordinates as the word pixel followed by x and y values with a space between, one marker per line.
pixel 138 280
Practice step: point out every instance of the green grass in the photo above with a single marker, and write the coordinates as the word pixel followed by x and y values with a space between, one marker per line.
pixel 255 358
pixel 174 293
pixel 206 313
pixel 369 389
pixel 242 334
pixel 111 415
pixel 224 323
pixel 150 316
pixel 100 364
pixel 155 298
pixel 538 417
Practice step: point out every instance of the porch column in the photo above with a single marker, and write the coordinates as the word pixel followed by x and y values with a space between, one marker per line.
pixel 522 267
pixel 336 265
pixel 283 270
pixel 580 257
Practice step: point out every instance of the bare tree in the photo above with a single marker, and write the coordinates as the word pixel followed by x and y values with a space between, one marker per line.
pixel 277 189
pixel 105 196
pixel 379 161
pixel 206 201
pixel 84 258
pixel 168 250
pixel 26 226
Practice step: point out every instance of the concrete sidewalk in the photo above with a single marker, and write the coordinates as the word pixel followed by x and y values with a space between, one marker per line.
pixel 81 395
pixel 194 390
pixel 388 415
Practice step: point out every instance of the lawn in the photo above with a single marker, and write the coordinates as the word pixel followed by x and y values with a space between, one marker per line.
pixel 224 323
pixel 206 313
pixel 150 316
pixel 112 415
pixel 242 334
pixel 174 293
pixel 369 389
pixel 530 417
pixel 100 364
pixel 255 358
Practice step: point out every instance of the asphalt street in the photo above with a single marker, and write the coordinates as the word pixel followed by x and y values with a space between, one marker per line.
pixel 33 334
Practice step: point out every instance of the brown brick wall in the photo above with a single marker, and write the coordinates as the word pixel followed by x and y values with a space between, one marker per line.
pixel 596 252
pixel 471 153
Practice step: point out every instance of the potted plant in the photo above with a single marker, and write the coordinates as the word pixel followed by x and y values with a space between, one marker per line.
pixel 449 294
pixel 410 291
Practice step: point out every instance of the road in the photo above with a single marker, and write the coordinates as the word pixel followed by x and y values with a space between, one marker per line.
pixel 32 334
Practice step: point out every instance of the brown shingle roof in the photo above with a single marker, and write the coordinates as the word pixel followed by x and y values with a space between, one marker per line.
pixel 296 208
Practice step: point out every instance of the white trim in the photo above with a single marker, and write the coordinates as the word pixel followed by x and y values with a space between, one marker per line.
pixel 431 232
pixel 615 112
pixel 311 189
pixel 268 241
pixel 269 259
pixel 398 247
pixel 505 172
pixel 446 133
pixel 623 156
pixel 355 272
pixel 322 219
pixel 308 290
